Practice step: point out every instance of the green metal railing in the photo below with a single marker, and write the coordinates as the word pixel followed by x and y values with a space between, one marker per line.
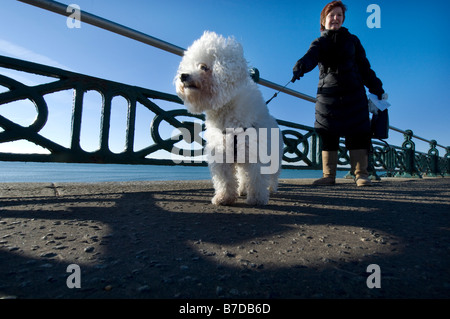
pixel 301 143
pixel 81 84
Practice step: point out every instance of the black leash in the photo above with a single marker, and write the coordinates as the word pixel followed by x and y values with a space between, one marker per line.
pixel 275 95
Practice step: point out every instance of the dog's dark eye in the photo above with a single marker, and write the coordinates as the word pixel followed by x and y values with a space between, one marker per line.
pixel 203 67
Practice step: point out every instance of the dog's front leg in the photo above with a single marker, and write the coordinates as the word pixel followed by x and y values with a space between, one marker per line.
pixel 257 185
pixel 225 183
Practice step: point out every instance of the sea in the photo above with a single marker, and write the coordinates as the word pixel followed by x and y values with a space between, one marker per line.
pixel 31 172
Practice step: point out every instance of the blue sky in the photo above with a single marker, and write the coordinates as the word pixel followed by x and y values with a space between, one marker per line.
pixel 409 53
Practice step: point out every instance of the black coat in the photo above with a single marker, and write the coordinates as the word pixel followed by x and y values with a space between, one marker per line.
pixel 341 106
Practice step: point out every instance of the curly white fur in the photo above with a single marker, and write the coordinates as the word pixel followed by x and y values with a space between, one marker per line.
pixel 213 78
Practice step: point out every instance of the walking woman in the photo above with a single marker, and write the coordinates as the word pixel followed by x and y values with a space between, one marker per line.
pixel 341 107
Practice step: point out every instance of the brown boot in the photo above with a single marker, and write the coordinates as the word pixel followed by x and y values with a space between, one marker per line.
pixel 329 164
pixel 359 162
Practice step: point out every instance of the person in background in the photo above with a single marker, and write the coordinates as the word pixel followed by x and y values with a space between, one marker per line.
pixel 342 108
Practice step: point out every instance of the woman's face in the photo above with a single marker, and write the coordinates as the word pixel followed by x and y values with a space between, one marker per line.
pixel 334 19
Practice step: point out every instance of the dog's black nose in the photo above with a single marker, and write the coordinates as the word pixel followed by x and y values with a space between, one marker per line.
pixel 184 77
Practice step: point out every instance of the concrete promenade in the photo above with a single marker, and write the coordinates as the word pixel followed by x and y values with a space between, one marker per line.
pixel 165 240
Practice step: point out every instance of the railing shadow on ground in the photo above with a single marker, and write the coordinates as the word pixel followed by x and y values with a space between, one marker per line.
pixel 165 241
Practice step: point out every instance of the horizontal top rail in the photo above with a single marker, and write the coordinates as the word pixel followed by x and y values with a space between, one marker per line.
pixel 108 25
pixel 97 21
pixel 418 137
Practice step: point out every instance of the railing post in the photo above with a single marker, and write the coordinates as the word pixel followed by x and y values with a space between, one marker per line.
pixel 433 160
pixel 446 171
pixel 409 149
pixel 390 161
pixel 371 165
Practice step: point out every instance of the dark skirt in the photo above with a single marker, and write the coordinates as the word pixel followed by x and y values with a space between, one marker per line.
pixel 342 113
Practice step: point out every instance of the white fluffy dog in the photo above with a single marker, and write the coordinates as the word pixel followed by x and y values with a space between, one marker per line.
pixel 213 78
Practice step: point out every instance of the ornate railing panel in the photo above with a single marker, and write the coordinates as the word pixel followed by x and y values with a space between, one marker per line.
pixel 80 84
pixel 405 161
pixel 301 143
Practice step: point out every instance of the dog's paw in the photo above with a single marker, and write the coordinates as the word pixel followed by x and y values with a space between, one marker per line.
pixel 223 199
pixel 242 191
pixel 257 201
pixel 273 189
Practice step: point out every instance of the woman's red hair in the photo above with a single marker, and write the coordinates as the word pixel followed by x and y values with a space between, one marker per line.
pixel 327 9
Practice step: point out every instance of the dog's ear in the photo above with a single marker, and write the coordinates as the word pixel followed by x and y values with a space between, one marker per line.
pixel 229 70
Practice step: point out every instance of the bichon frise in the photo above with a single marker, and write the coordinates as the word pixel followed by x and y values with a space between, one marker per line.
pixel 244 144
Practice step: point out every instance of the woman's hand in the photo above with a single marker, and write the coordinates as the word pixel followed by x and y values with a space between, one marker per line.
pixel 297 72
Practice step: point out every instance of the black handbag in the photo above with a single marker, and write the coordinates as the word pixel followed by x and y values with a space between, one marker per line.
pixel 380 125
